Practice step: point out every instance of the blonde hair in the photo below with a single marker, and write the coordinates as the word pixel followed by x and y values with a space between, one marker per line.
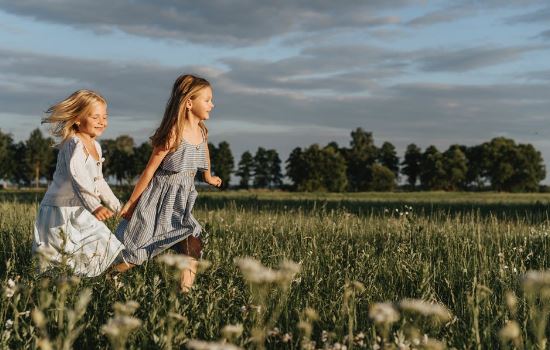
pixel 64 114
pixel 185 88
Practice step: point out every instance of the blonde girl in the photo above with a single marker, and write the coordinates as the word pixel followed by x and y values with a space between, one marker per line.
pixel 71 214
pixel 158 214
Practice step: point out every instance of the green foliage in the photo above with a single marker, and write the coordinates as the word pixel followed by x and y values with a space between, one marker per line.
pixel 221 162
pixel 432 173
pixel 383 179
pixel 245 169
pixel 38 155
pixel 387 156
pixel 412 164
pixel 317 169
pixel 360 157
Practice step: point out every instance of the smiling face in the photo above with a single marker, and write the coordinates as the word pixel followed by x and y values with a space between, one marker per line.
pixel 94 122
pixel 202 104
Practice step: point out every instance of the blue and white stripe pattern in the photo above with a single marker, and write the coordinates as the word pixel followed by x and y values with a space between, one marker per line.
pixel 163 214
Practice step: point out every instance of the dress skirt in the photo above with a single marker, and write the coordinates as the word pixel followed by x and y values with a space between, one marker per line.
pixel 87 243
pixel 162 217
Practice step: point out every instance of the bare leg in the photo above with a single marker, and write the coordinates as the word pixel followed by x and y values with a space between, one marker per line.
pixel 188 276
pixel 122 267
pixel 191 247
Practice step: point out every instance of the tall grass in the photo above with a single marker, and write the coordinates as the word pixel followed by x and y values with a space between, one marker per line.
pixel 468 260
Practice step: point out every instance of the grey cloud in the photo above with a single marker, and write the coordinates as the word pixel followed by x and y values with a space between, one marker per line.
pixel 472 58
pixel 443 15
pixel 418 112
pixel 544 35
pixel 239 22
pixel 541 15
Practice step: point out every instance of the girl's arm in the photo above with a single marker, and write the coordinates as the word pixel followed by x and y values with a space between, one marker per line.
pixel 154 161
pixel 207 175
pixel 82 183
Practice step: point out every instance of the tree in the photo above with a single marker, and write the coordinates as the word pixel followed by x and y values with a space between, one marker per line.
pixel 223 163
pixel 360 158
pixel 456 168
pixel 432 174
pixel 477 165
pixel 501 154
pixel 6 143
pixel 261 168
pixel 334 169
pixel 513 167
pixel 123 159
pixel 387 156
pixel 383 178
pixel 295 167
pixel 411 164
pixel 317 169
pixel 38 154
pixel 245 168
pixel 274 163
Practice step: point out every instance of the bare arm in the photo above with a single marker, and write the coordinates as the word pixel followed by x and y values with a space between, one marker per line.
pixel 207 175
pixel 144 179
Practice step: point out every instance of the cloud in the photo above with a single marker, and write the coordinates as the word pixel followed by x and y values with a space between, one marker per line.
pixel 473 58
pixel 241 22
pixel 541 15
pixel 444 15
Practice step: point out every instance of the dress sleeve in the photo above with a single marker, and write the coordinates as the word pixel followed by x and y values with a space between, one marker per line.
pixel 82 182
pixel 105 193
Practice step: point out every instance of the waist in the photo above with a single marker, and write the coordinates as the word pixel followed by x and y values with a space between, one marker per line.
pixel 172 177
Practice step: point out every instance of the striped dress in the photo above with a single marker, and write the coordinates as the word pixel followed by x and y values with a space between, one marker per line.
pixel 163 216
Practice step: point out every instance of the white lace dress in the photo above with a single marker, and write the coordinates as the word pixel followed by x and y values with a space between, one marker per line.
pixel 65 221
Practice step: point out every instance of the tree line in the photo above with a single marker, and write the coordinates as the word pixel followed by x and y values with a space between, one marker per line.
pixel 499 164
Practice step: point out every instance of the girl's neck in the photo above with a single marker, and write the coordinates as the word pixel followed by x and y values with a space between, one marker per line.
pixel 191 123
pixel 85 137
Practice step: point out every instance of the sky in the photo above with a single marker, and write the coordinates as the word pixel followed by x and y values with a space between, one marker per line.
pixel 289 73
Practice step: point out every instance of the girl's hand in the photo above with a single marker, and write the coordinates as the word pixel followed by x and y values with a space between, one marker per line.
pixel 127 210
pixel 214 181
pixel 102 213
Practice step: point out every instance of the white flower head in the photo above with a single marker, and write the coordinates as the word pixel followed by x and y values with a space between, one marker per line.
pixel 10 289
pixel 425 308
pixel 204 345
pixel 383 313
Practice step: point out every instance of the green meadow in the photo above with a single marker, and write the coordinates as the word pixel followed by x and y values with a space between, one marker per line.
pixel 423 270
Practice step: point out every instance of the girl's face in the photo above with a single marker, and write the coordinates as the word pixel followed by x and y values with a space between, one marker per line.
pixel 95 122
pixel 202 104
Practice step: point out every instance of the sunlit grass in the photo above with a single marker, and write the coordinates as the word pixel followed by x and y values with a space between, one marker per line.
pixel 465 259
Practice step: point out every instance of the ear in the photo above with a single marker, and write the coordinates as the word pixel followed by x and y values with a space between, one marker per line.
pixel 189 104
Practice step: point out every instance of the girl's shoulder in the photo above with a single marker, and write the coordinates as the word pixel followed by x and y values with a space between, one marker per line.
pixel 71 144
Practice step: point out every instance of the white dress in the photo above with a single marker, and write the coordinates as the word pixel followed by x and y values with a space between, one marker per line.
pixel 65 221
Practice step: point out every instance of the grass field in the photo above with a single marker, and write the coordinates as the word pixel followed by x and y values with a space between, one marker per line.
pixel 466 255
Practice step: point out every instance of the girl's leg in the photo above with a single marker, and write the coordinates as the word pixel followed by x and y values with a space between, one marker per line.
pixel 123 267
pixel 191 247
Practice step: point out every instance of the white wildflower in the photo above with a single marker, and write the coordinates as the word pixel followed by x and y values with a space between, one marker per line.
pixel 8 324
pixel 120 326
pixel 127 308
pixel 46 253
pixel 536 280
pixel 204 345
pixel 232 331
pixel 510 331
pixel 436 310
pixel 383 313
pixel 10 288
pixel 179 261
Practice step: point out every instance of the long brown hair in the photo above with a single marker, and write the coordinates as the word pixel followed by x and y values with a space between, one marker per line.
pixel 63 115
pixel 185 88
